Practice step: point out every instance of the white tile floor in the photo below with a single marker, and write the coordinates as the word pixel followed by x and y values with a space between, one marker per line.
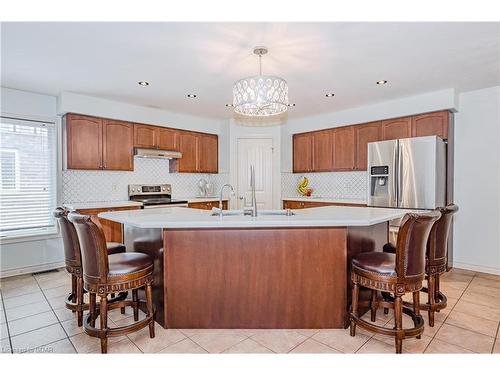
pixel 33 319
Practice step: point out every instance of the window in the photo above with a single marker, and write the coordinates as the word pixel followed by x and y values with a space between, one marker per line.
pixel 9 169
pixel 28 177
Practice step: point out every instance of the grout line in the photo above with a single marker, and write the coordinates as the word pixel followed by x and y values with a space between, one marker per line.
pixel 300 343
pixel 53 312
pixel 255 341
pixel 4 311
pixel 194 342
pixel 323 343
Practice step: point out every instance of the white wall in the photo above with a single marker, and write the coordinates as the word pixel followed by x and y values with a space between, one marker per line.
pixel 477 181
pixel 27 103
pixel 35 254
pixel 429 102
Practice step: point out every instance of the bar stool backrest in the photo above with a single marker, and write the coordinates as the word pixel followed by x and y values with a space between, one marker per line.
pixel 71 244
pixel 412 243
pixel 93 248
pixel 437 246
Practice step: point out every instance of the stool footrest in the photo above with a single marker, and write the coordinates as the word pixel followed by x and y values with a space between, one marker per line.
pixel 118 331
pixel 406 332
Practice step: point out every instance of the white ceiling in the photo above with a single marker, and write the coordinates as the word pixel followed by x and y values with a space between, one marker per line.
pixel 108 59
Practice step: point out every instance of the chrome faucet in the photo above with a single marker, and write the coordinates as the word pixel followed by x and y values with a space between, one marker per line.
pixel 252 210
pixel 220 196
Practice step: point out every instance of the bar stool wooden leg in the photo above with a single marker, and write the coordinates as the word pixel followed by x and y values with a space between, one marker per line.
pixel 73 288
pixel 416 308
pixel 398 319
pixel 79 299
pixel 373 306
pixel 436 286
pixel 135 299
pixel 103 313
pixel 354 304
pixel 149 303
pixel 92 307
pixel 431 298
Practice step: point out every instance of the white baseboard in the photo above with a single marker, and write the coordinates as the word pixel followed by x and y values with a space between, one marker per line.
pixel 473 267
pixel 31 269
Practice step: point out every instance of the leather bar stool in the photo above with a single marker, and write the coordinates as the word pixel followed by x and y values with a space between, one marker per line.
pixel 73 260
pixel 436 261
pixel 398 274
pixel 104 274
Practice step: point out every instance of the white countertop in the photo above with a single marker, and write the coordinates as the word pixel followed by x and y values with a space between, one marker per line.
pixel 326 200
pixel 178 217
pixel 93 205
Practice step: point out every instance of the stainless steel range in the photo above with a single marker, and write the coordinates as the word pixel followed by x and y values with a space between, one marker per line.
pixel 154 196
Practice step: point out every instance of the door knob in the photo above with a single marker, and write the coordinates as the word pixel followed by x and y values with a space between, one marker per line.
pixel 241 198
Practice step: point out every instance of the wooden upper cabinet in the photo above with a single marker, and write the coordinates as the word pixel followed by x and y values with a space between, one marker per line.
pixel 118 145
pixel 302 152
pixel 344 149
pixel 208 158
pixel 396 128
pixel 84 142
pixel 322 151
pixel 167 139
pixel 188 146
pixel 435 123
pixel 364 134
pixel 148 136
pixel 145 136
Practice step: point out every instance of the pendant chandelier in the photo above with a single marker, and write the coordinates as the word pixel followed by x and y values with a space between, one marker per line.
pixel 260 96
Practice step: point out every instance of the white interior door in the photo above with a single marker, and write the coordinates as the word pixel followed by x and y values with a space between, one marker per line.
pixel 259 153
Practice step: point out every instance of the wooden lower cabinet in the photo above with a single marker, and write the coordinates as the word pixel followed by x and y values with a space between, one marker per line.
pixel 294 205
pixel 208 205
pixel 112 230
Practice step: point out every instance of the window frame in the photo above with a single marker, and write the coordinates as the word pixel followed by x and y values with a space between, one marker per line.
pixel 26 236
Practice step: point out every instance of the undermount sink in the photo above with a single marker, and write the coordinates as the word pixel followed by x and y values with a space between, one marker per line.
pixel 259 213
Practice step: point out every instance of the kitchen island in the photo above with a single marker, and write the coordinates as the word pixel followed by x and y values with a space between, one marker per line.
pixel 269 271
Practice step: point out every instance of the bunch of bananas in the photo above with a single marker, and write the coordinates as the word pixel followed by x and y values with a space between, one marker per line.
pixel 302 188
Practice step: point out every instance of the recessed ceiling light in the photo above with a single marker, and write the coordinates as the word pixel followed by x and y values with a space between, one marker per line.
pixel 329 95
pixel 291 104
pixel 229 105
pixel 143 83
pixel 191 95
pixel 382 82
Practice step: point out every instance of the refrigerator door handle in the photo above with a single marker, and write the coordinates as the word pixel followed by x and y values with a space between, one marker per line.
pixel 400 174
pixel 396 173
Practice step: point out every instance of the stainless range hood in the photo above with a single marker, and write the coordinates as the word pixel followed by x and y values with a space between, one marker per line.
pixel 156 154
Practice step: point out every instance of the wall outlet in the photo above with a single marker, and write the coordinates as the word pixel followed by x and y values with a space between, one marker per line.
pixel 114 187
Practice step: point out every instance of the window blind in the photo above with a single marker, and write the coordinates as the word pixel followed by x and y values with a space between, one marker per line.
pixel 28 177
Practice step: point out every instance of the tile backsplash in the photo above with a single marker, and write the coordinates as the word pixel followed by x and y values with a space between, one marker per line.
pixel 97 186
pixel 346 185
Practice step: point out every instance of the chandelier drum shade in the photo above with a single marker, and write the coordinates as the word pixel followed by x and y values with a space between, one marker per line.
pixel 260 95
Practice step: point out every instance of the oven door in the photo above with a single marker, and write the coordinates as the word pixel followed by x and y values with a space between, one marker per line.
pixel 165 205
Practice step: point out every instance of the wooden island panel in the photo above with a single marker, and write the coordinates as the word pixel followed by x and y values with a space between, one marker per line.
pixel 260 277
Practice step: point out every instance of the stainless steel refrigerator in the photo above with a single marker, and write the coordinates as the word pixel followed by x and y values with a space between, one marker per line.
pixel 407 173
